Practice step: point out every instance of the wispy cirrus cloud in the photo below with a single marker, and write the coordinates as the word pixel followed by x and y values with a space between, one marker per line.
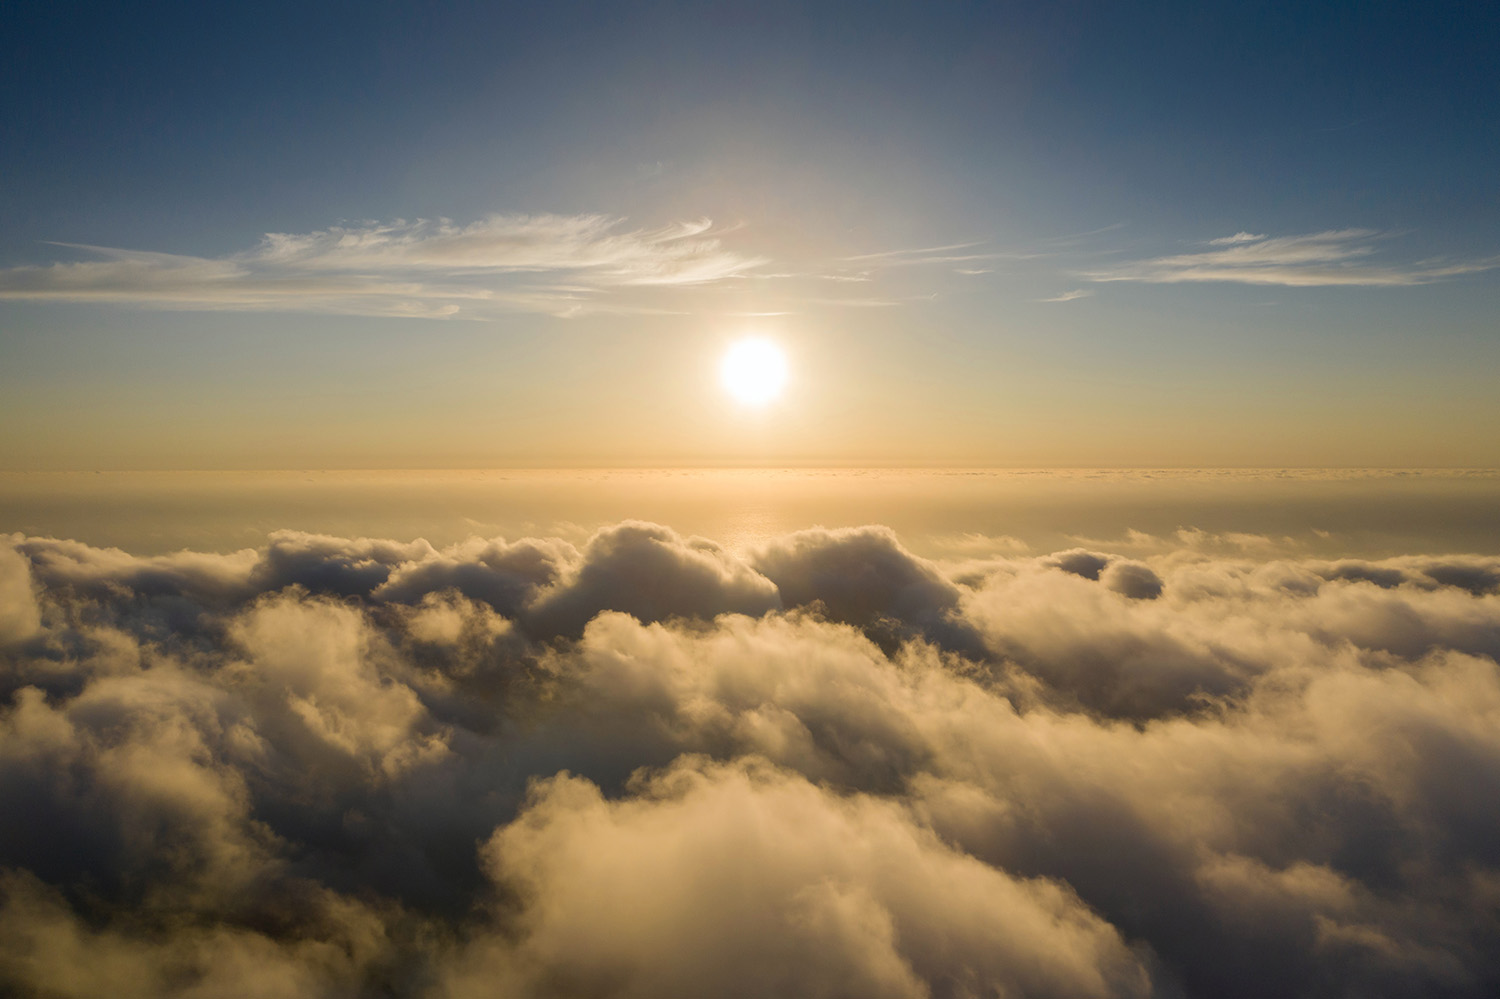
pixel 951 253
pixel 1335 257
pixel 947 254
pixel 555 264
pixel 970 259
pixel 1068 296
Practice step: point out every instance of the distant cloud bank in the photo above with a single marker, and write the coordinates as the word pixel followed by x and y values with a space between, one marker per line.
pixel 644 766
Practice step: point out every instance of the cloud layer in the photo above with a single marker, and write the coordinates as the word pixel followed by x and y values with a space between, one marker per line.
pixel 568 265
pixel 556 264
pixel 646 767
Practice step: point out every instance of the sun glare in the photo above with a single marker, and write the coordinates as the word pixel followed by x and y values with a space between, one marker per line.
pixel 754 371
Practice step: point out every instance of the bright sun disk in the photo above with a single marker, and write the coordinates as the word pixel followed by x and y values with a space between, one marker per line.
pixel 754 371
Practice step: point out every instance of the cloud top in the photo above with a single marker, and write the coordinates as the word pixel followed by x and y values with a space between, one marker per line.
pixel 643 766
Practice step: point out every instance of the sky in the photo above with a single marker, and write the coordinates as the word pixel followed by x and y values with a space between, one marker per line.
pixel 404 591
pixel 491 235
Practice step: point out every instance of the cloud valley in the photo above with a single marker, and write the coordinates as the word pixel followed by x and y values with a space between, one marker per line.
pixel 645 766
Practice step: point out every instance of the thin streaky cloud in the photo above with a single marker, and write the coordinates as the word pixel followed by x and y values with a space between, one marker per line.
pixel 934 255
pixel 974 257
pixel 1068 296
pixel 965 258
pixel 1073 237
pixel 856 303
pixel 868 267
pixel 1239 237
pixel 1339 257
pixel 555 264
pixel 918 253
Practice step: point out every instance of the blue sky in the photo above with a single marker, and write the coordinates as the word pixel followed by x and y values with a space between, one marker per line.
pixel 518 234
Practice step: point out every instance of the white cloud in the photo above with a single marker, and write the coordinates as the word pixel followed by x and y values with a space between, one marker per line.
pixel 970 259
pixel 19 615
pixel 778 887
pixel 1068 296
pixel 556 264
pixel 953 253
pixel 949 253
pixel 1335 257
pixel 1239 237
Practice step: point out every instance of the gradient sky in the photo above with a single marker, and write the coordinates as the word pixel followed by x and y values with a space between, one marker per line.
pixel 1061 234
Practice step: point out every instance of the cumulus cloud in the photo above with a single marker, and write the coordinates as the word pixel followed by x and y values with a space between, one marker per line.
pixel 654 574
pixel 864 576
pixel 19 616
pixel 556 264
pixel 1334 257
pixel 643 766
pixel 744 880
pixel 1080 562
pixel 1134 580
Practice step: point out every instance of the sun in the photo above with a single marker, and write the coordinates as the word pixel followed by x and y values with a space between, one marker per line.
pixel 754 371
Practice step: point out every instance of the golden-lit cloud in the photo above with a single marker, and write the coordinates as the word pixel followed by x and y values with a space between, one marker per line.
pixel 555 264
pixel 568 265
pixel 644 766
